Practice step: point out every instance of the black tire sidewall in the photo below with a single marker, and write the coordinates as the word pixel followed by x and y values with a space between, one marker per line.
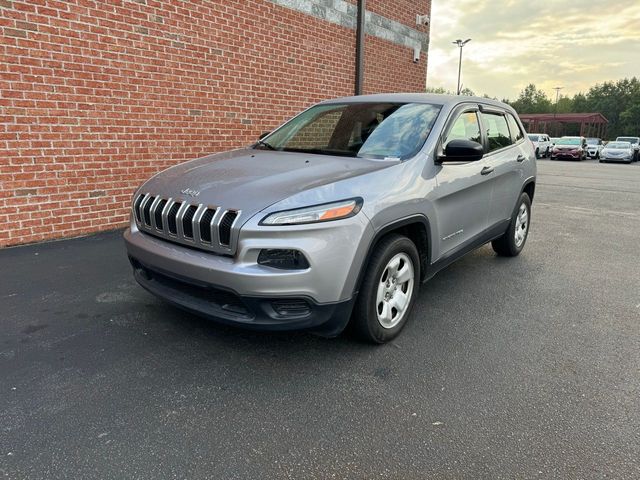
pixel 366 314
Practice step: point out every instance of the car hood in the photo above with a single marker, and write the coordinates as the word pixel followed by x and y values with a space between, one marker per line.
pixel 616 151
pixel 250 180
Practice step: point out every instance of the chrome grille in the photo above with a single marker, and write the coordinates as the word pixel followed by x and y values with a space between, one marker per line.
pixel 171 218
pixel 225 227
pixel 146 210
pixel 201 226
pixel 205 225
pixel 158 213
pixel 187 219
pixel 136 207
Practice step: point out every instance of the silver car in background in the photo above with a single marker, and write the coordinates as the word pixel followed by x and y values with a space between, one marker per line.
pixel 617 152
pixel 338 215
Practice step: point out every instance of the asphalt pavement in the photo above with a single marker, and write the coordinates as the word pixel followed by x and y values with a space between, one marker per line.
pixel 508 368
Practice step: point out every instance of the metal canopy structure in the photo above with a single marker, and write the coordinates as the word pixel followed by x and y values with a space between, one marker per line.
pixel 591 124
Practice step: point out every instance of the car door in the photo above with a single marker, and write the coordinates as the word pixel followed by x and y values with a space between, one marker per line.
pixel 506 160
pixel 462 193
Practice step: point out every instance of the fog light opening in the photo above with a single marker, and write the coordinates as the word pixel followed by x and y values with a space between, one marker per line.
pixel 283 259
pixel 291 307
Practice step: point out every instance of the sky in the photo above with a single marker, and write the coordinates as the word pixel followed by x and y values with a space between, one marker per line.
pixel 569 43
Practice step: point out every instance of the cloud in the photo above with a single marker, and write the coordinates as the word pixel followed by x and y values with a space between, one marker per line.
pixel 516 42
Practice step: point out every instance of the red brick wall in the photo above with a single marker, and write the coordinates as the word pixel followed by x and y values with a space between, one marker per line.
pixel 403 11
pixel 97 96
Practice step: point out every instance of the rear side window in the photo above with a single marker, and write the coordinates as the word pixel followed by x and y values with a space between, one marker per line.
pixel 516 132
pixel 498 134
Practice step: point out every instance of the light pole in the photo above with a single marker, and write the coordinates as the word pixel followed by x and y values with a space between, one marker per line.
pixel 555 110
pixel 460 43
pixel 557 89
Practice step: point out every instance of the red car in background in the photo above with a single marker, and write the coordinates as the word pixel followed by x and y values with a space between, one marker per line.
pixel 570 148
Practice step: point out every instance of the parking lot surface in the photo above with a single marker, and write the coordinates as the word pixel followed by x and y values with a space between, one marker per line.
pixel 509 368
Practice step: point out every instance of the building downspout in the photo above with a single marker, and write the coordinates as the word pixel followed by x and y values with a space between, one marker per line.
pixel 360 47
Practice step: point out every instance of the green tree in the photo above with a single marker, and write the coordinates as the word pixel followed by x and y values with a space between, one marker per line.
pixel 532 100
pixel 439 90
pixel 630 119
pixel 580 104
pixel 564 105
pixel 611 99
pixel 442 90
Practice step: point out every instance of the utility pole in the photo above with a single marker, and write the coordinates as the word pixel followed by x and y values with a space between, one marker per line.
pixel 460 43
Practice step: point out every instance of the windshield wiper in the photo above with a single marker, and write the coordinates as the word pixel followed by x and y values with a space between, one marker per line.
pixel 267 145
pixel 321 151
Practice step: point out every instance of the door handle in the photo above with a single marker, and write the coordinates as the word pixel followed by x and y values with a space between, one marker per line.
pixel 520 158
pixel 486 170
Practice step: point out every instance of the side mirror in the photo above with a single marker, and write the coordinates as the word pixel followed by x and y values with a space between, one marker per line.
pixel 460 150
pixel 263 134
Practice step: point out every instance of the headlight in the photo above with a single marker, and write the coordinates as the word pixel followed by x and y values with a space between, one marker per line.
pixel 315 214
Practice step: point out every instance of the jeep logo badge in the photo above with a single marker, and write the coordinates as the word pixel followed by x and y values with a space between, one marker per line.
pixel 190 192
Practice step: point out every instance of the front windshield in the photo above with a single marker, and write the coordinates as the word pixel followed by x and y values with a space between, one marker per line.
pixel 592 141
pixel 373 130
pixel 627 139
pixel 568 141
pixel 533 138
pixel 619 145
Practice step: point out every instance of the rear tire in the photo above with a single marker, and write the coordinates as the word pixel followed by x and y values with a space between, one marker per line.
pixel 388 290
pixel 512 242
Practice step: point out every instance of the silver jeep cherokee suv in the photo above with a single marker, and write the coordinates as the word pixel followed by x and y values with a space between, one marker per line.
pixel 338 215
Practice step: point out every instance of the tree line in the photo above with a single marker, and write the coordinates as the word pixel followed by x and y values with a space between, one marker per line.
pixel 618 101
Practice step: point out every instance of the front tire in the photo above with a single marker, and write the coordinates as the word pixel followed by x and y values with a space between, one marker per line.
pixel 512 242
pixel 388 290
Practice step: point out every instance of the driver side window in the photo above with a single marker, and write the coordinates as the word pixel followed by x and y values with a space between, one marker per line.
pixel 466 127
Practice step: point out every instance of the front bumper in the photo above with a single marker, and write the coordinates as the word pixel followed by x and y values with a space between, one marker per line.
pixel 566 155
pixel 257 313
pixel 616 159
pixel 196 280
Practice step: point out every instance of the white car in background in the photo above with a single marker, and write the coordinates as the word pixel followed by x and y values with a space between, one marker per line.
pixel 541 144
pixel 594 147
pixel 635 144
